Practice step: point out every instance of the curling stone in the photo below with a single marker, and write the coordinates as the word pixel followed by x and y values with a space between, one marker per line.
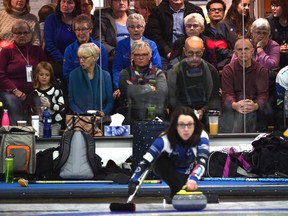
pixel 188 200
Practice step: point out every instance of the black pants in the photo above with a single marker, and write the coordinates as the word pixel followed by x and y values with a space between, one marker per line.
pixel 166 170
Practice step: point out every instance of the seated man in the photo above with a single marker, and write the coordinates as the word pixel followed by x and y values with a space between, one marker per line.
pixel 82 25
pixel 193 81
pixel 142 85
pixel 244 100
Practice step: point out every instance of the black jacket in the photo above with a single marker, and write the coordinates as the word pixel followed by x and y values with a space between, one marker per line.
pixel 160 25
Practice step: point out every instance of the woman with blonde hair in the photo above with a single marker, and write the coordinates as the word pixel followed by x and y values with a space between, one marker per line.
pixel 90 87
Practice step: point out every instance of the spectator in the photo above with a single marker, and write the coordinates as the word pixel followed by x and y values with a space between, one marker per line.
pixel 267 51
pixel 171 154
pixel 142 85
pixel 279 28
pixel 166 24
pixel 194 82
pixel 44 11
pixel 215 50
pixel 144 7
pixel 82 26
pixel 16 71
pixel 216 11
pixel 240 103
pixel 47 95
pixel 113 26
pixel 58 33
pixel 87 7
pixel 231 27
pixel 135 25
pixel 13 12
pixel 88 89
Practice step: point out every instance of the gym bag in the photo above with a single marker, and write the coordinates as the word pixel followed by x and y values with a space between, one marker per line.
pixel 19 142
pixel 269 157
pixel 228 163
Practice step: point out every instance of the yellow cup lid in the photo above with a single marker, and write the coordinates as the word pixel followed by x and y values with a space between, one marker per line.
pixel 184 192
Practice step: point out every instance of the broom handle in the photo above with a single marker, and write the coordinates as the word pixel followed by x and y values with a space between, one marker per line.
pixel 69 182
pixel 142 178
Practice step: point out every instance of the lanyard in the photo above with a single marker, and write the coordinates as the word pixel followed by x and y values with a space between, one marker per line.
pixel 26 59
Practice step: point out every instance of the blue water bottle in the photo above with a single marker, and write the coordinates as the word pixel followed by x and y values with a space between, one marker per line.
pixel 47 124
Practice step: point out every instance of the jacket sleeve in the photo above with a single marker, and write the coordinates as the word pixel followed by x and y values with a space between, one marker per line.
pixel 202 158
pixel 49 36
pixel 118 64
pixel 269 57
pixel 109 94
pixel 68 65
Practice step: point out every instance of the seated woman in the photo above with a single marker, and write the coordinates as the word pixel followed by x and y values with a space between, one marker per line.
pixel 267 51
pixel 16 71
pixel 215 52
pixel 14 11
pixel 90 88
pixel 142 85
pixel 135 25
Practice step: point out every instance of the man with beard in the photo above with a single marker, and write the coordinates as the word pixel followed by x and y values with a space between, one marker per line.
pixel 194 82
pixel 244 106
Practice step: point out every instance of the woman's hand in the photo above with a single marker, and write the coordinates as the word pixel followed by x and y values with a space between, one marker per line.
pixel 191 185
pixel 19 94
pixel 116 94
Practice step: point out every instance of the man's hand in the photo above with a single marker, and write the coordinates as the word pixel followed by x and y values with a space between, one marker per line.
pixel 284 48
pixel 132 186
pixel 245 106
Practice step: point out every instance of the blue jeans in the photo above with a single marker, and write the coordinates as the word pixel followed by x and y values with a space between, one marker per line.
pixel 16 108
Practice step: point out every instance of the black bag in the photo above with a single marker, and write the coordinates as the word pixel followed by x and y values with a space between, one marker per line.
pixel 45 164
pixel 269 157
pixel 228 163
pixel 77 158
pixel 144 133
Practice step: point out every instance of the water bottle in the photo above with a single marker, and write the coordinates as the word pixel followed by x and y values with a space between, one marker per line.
pixel 5 118
pixel 9 168
pixel 35 124
pixel 1 111
pixel 47 124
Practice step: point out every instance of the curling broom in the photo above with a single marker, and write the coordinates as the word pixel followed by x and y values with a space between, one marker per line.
pixel 129 205
pixel 24 183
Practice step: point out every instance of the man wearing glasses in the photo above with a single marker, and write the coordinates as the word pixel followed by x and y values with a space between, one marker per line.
pixel 215 11
pixel 166 24
pixel 194 82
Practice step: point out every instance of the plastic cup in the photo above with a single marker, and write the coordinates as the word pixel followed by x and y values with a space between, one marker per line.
pixel 213 125
pixel 21 123
pixel 151 112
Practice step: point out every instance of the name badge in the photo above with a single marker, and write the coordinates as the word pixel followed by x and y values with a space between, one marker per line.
pixel 29 73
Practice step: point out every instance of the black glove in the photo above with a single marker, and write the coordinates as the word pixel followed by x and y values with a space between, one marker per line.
pixel 132 187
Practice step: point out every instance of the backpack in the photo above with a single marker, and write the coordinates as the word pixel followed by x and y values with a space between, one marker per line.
pixel 269 157
pixel 18 141
pixel 77 158
pixel 228 163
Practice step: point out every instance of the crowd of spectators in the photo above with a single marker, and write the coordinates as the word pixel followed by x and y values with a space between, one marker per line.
pixel 122 59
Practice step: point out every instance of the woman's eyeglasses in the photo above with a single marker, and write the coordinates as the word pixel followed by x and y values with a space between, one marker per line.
pixel 188 125
pixel 22 33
